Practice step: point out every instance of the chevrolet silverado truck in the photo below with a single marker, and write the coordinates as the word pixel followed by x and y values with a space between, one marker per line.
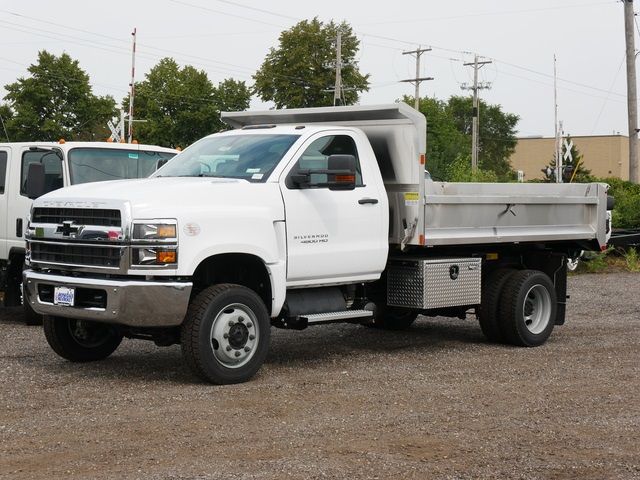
pixel 296 218
pixel 60 164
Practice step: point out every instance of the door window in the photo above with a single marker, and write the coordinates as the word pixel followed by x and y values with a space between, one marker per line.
pixel 316 156
pixel 53 179
pixel 3 171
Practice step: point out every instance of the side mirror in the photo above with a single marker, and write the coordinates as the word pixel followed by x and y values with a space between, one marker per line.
pixel 340 174
pixel 35 181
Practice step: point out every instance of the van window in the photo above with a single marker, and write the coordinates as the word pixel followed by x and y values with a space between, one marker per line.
pixel 3 171
pixel 53 179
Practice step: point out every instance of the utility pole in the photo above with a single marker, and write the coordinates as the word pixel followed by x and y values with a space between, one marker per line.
pixel 632 94
pixel 477 65
pixel 337 92
pixel 132 85
pixel 417 52
pixel 557 126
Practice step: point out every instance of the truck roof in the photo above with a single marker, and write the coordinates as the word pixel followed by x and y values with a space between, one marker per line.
pixel 69 145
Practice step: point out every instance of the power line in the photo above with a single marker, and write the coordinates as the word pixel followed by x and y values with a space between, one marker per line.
pixel 488 14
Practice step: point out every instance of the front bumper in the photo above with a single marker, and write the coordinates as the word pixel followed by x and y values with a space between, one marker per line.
pixel 131 303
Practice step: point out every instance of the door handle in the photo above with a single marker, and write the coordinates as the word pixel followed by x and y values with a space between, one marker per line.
pixel 364 201
pixel 18 227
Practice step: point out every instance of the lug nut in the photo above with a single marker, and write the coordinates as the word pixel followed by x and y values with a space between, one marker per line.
pixel 226 335
pixel 231 324
pixel 228 348
pixel 249 325
pixel 247 349
pixel 241 319
pixel 252 337
pixel 237 354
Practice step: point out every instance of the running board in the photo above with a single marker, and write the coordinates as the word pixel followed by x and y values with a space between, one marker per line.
pixel 336 316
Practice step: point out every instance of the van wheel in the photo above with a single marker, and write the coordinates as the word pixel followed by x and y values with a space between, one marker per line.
pixel 528 306
pixel 79 340
pixel 226 333
pixel 488 312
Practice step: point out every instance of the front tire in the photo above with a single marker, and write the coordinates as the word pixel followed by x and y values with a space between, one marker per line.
pixel 225 336
pixel 79 340
pixel 528 307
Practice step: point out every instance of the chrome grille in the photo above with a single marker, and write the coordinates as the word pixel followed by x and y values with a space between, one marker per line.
pixel 80 216
pixel 81 255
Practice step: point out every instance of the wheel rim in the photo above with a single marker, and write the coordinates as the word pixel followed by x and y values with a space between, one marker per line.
pixel 536 310
pixel 88 335
pixel 234 335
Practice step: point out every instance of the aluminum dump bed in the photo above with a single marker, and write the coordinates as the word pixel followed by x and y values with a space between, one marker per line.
pixel 485 213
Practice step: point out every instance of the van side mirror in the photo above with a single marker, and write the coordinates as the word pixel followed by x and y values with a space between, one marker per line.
pixel 35 181
pixel 340 174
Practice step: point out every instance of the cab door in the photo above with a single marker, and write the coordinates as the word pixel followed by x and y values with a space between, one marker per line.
pixel 4 166
pixel 334 236
pixel 19 204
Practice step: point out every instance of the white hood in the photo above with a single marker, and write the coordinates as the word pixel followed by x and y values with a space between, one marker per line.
pixel 172 197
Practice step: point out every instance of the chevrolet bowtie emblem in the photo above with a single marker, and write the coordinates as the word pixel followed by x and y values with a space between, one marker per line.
pixel 67 229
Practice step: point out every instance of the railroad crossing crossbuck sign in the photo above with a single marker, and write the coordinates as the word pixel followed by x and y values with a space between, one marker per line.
pixel 568 158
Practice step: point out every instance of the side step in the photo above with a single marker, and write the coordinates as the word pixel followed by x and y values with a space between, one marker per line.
pixel 336 316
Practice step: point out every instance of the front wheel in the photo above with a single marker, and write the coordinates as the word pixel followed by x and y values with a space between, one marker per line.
pixel 225 336
pixel 79 340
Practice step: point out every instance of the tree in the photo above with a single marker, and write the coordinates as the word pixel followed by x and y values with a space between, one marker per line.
pixel 300 72
pixel 56 101
pixel 497 133
pixel 181 105
pixel 573 170
pixel 449 138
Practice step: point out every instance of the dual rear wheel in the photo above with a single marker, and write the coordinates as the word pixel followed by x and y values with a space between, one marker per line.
pixel 518 307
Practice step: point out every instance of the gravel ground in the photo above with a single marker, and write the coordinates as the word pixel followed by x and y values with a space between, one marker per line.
pixel 341 401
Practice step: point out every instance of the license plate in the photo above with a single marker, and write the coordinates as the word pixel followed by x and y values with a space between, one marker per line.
pixel 64 296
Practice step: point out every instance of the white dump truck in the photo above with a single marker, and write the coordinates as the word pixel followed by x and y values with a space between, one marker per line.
pixel 297 218
pixel 61 164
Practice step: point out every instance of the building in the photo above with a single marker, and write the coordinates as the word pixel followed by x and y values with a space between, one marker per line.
pixel 604 155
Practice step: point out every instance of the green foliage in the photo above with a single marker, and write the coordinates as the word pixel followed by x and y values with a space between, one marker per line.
pixel 181 105
pixel 301 69
pixel 449 138
pixel 56 101
pixel 597 261
pixel 497 133
pixel 626 212
pixel 632 260
pixel 460 171
pixel 574 170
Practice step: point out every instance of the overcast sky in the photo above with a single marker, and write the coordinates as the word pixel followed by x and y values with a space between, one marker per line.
pixel 229 38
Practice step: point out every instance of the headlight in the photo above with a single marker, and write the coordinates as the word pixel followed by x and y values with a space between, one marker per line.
pixel 154 231
pixel 154 256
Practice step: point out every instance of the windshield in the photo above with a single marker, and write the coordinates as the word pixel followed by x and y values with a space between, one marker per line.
pixel 100 164
pixel 250 157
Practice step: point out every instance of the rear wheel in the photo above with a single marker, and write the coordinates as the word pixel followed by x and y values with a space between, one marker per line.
pixel 488 313
pixel 528 308
pixel 79 340
pixel 226 333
